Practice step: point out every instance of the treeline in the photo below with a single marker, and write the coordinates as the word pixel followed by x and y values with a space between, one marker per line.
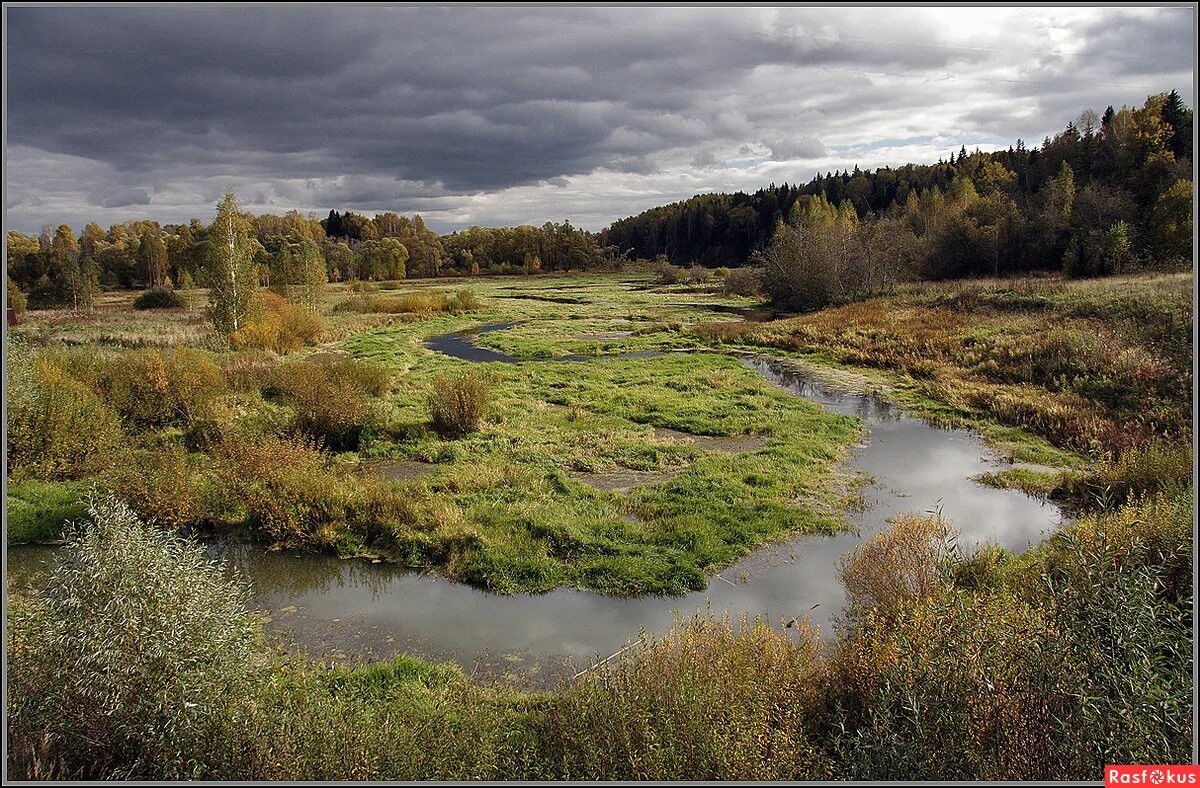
pixel 58 268
pixel 1104 192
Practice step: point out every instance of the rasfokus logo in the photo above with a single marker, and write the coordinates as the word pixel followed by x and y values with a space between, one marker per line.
pixel 1139 774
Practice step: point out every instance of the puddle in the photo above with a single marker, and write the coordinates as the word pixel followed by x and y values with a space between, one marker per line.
pixel 397 470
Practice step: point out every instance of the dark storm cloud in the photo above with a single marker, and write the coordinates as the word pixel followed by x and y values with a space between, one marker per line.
pixel 120 198
pixel 386 107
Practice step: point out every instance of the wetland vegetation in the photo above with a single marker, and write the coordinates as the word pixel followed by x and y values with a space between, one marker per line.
pixel 721 461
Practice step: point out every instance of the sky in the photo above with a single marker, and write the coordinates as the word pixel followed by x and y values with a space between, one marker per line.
pixel 478 116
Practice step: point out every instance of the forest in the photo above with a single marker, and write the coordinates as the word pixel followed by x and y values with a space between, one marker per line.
pixel 975 213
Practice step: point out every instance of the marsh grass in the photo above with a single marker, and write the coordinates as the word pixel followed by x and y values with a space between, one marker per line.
pixel 1091 367
pixel 37 511
pixel 457 405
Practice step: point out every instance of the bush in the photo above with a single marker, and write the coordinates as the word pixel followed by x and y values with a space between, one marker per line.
pixel 37 511
pixel 58 428
pixel 164 486
pixel 159 298
pixel 698 274
pixel 670 274
pixel 131 659
pixel 285 487
pixel 744 281
pixel 331 400
pixel 1076 656
pixel 896 566
pixel 283 328
pixel 465 300
pixel 458 405
pixel 16 299
pixel 1148 468
pixel 710 701
pixel 800 270
pixel 155 388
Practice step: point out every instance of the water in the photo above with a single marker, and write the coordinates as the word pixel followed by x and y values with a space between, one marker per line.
pixel 359 610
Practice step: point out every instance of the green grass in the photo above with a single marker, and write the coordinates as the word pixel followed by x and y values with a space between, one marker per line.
pixel 37 511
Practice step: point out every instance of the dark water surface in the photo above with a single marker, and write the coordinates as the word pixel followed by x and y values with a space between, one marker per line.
pixel 359 610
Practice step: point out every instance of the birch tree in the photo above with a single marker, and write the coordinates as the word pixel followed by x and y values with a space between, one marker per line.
pixel 232 272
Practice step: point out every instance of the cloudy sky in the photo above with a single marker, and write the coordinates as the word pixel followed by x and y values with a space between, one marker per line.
pixel 507 116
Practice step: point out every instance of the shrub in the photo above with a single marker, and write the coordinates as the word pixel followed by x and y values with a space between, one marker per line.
pixel 301 323
pixel 1148 468
pixel 37 511
pixel 1078 656
pixel 160 387
pixel 285 487
pixel 58 428
pixel 16 299
pixel 670 274
pixel 130 660
pixel 800 270
pixel 284 328
pixel 710 701
pixel 744 281
pixel 458 405
pixel 331 400
pixel 953 687
pixel 896 566
pixel 721 272
pixel 164 486
pixel 159 298
pixel 372 378
pixel 465 300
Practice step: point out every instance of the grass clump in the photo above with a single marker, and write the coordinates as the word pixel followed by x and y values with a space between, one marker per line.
pixel 159 298
pixel 458 404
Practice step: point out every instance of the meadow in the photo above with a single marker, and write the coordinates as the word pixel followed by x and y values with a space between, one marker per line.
pixel 624 474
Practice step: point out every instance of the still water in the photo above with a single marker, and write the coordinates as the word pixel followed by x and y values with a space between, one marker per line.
pixel 353 609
